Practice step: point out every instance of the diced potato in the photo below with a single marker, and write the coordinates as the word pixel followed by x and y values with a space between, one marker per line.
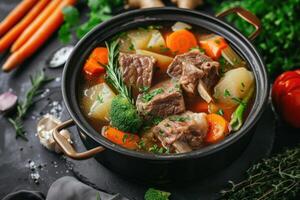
pixel 157 42
pixel 125 44
pixel 233 86
pixel 180 25
pixel 97 101
pixel 162 61
pixel 140 38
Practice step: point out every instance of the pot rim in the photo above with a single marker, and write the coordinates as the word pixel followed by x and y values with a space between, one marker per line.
pixel 254 115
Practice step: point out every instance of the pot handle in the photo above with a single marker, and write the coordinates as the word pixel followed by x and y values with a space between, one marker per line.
pixel 67 148
pixel 247 16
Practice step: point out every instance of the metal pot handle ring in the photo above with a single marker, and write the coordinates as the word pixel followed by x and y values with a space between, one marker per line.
pixel 67 148
pixel 247 16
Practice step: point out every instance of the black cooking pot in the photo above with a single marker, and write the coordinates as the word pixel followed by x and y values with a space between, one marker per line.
pixel 150 167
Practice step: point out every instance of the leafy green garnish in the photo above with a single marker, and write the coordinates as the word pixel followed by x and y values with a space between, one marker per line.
pixel 279 40
pixel 220 112
pixel 236 121
pixel 149 95
pixel 114 76
pixel 100 10
pixel 154 194
pixel 158 150
pixel 71 17
pixel 37 82
pixel 227 93
pixel 273 178
pixel 177 118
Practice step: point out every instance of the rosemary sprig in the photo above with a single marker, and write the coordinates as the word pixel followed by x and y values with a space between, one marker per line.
pixel 114 75
pixel 274 178
pixel 37 81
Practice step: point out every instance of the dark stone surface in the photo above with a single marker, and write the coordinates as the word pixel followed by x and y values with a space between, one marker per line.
pixel 15 174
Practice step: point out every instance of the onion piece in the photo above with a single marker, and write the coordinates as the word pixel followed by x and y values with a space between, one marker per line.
pixel 180 26
pixel 8 100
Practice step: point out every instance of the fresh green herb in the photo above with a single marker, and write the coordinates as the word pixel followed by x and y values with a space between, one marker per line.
pixel 100 99
pixel 279 41
pixel 149 95
pixel 177 118
pixel 158 150
pixel 144 89
pixel 220 112
pixel 114 75
pixel 100 10
pixel 274 178
pixel 98 196
pixel 71 17
pixel 154 194
pixel 237 116
pixel 156 120
pixel 131 47
pixel 197 48
pixel 124 139
pixel 238 100
pixel 141 144
pixel 37 82
pixel 226 93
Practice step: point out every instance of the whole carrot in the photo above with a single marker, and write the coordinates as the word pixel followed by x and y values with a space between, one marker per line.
pixel 38 38
pixel 15 15
pixel 35 25
pixel 14 33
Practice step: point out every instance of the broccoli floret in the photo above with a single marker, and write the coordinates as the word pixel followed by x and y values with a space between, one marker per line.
pixel 124 115
pixel 153 194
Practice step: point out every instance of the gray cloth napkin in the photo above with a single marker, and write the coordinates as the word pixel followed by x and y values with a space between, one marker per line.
pixel 69 188
pixel 65 188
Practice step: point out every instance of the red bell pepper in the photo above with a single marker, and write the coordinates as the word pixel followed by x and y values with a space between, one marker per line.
pixel 286 97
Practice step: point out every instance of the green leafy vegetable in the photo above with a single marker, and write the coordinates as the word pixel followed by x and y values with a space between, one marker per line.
pixel 71 17
pixel 37 82
pixel 279 40
pixel 147 96
pixel 100 10
pixel 237 116
pixel 154 194
pixel 274 178
pixel 124 115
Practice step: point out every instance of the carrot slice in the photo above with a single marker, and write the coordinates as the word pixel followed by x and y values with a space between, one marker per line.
pixel 123 139
pixel 38 38
pixel 15 15
pixel 213 46
pixel 218 128
pixel 181 41
pixel 100 54
pixel 35 25
pixel 93 68
pixel 14 33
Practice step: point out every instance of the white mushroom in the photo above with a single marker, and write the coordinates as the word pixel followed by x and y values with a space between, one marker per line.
pixel 45 129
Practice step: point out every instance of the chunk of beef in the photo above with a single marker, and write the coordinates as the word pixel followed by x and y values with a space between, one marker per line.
pixel 162 100
pixel 209 80
pixel 190 77
pixel 137 70
pixel 182 132
pixel 195 70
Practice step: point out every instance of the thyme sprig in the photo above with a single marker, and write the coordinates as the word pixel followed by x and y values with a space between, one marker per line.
pixel 114 75
pixel 277 177
pixel 37 81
